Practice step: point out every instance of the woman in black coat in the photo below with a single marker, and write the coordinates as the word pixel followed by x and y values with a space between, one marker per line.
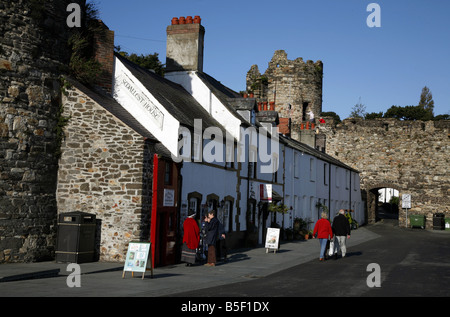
pixel 212 232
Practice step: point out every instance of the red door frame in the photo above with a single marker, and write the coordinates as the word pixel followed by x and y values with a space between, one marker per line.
pixel 155 190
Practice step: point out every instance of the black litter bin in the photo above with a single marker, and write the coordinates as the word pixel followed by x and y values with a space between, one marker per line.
pixel 76 237
pixel 439 221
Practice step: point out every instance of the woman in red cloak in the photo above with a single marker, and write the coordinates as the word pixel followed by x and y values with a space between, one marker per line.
pixel 191 239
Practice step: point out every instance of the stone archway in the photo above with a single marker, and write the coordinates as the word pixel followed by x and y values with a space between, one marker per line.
pixel 372 198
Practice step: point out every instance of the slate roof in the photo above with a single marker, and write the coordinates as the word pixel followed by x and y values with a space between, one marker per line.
pixel 111 105
pixel 179 103
pixel 173 97
pixel 313 152
pixel 224 94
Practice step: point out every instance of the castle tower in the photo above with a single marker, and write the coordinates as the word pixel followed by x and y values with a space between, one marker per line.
pixel 293 85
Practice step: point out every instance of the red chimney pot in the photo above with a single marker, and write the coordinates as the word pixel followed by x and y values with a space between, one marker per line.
pixel 182 20
pixel 189 20
pixel 197 19
pixel 175 21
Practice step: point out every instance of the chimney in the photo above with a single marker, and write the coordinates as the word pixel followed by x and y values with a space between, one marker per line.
pixel 104 53
pixel 269 119
pixel 185 39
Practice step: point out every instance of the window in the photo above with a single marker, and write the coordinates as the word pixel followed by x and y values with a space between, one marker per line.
pixel 296 165
pixel 336 176
pixel 312 169
pixel 228 210
pixel 195 199
pixel 275 168
pixel 197 147
pixel 229 153
pixel 304 108
pixel 253 162
pixel 193 203
pixel 325 174
pixel 347 179
pixel 168 174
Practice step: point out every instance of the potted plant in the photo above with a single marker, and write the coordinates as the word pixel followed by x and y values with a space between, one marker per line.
pixel 300 226
pixel 282 208
pixel 289 233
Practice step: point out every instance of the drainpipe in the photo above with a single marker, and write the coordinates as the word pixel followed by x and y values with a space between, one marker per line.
pixel 350 192
pixel 329 188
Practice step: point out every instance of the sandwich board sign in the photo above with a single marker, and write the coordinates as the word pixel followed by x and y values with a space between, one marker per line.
pixel 272 239
pixel 139 258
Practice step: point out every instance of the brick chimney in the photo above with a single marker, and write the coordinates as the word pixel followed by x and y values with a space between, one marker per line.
pixel 185 39
pixel 104 53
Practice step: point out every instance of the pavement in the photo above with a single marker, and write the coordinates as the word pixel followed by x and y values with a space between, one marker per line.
pixel 104 279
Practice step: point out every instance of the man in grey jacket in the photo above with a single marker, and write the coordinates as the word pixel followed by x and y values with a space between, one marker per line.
pixel 341 230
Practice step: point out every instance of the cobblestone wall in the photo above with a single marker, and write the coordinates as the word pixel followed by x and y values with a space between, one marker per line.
pixel 105 169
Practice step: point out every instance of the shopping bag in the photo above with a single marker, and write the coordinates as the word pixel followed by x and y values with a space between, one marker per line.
pixel 331 249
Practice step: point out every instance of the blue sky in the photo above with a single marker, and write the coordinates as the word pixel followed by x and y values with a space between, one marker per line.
pixel 380 67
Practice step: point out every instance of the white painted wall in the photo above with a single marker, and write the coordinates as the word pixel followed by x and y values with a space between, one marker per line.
pixel 167 133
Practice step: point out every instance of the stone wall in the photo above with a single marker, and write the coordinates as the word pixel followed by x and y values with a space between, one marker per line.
pixel 105 169
pixel 410 156
pixel 33 52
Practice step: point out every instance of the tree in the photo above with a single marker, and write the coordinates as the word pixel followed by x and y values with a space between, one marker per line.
pixel 373 115
pixel 149 61
pixel 407 113
pixel 426 103
pixel 358 110
pixel 83 65
pixel 442 117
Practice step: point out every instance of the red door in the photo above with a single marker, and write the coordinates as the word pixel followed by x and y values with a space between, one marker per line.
pixel 164 212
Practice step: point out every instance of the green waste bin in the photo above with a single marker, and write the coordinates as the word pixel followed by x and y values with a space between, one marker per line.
pixel 417 221
pixel 447 224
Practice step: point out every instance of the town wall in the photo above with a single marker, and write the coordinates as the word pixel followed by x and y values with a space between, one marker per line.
pixel 410 156
pixel 33 54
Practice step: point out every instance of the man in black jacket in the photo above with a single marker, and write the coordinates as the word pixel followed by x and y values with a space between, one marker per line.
pixel 341 230
pixel 212 233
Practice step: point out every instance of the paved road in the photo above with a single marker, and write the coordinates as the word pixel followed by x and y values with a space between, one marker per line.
pixel 412 262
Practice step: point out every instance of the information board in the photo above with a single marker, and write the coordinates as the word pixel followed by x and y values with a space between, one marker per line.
pixel 138 258
pixel 272 239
